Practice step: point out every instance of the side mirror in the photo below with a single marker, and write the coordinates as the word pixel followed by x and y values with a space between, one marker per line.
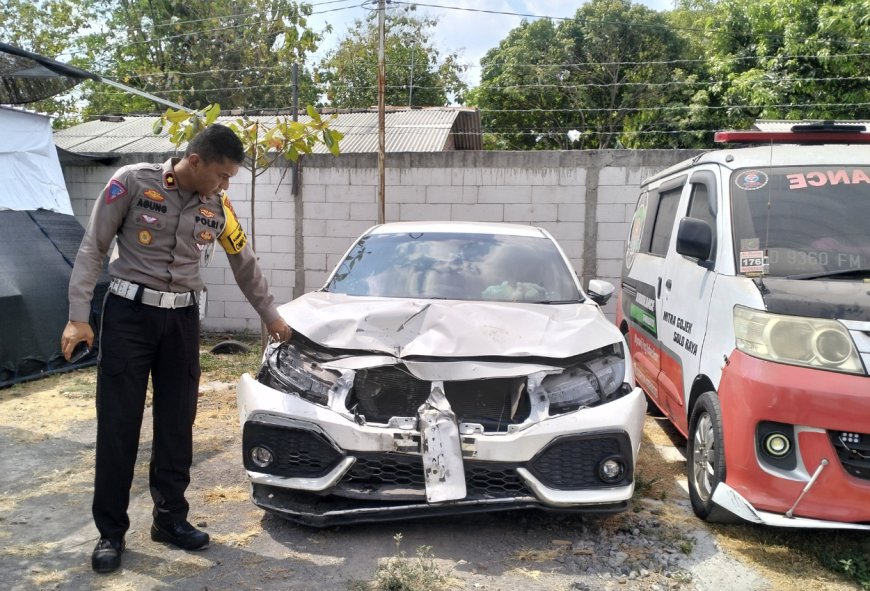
pixel 600 291
pixel 695 239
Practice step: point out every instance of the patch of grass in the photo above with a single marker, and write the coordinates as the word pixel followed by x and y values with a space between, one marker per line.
pixel 400 573
pixel 228 367
pixel 854 562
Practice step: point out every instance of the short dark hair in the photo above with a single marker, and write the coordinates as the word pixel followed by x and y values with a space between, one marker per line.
pixel 215 143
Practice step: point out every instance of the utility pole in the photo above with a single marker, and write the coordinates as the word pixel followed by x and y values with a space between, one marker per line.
pixel 382 143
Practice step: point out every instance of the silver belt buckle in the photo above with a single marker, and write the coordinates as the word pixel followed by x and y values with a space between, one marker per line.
pixel 167 299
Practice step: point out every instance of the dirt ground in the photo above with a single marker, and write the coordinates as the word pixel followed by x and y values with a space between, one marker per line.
pixel 47 431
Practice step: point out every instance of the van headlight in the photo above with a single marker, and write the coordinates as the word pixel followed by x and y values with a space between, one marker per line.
pixel 810 342
pixel 596 379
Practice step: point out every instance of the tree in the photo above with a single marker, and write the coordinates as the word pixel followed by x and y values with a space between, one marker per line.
pixel 789 59
pixel 592 75
pixel 197 52
pixel 48 28
pixel 416 75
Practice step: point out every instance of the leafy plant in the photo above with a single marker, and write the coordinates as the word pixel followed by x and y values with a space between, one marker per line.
pixel 400 573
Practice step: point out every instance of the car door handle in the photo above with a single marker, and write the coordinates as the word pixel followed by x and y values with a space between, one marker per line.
pixel 668 284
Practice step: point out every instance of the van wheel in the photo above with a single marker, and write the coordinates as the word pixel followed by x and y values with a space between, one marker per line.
pixel 706 459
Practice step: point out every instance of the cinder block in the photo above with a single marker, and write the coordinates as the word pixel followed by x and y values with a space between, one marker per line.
pixel 283 244
pixel 285 210
pixel 572 212
pixel 484 212
pixel 423 211
pixel 326 245
pixel 263 209
pixel 405 194
pixel 240 310
pixel 270 261
pixel 275 227
pixel 610 212
pixel 351 194
pixel 619 194
pixel 530 213
pixel 313 193
pixel 504 194
pixel 346 228
pixel 327 211
pixel 214 309
pixel 555 194
pixel 572 177
pixel 313 227
pixel 609 268
pixel 573 250
pixel 613 230
pixel 610 249
pixel 283 278
pixel 326 176
pixel 619 175
pixel 315 279
pixel 565 230
pixel 225 293
pixel 364 176
pixel 531 176
pixel 364 212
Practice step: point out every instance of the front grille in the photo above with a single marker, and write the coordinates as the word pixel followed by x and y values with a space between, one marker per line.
pixel 572 462
pixel 298 453
pixel 385 392
pixel 853 449
pixel 482 479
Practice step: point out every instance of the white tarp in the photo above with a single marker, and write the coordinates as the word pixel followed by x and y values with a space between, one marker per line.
pixel 30 173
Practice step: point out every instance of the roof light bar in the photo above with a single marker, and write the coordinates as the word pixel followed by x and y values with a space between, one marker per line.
pixel 791 137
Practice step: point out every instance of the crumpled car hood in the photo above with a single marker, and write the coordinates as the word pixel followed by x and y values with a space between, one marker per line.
pixel 448 328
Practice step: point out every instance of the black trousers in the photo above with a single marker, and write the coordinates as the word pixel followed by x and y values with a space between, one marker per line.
pixel 137 340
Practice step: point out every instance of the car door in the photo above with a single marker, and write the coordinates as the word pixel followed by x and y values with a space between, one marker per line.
pixel 684 303
pixel 641 286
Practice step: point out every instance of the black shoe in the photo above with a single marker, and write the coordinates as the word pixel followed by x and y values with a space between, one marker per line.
pixel 180 534
pixel 107 555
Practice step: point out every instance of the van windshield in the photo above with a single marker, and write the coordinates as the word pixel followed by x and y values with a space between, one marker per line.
pixel 802 222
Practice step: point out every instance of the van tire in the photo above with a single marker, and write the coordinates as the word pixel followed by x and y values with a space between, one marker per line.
pixel 706 459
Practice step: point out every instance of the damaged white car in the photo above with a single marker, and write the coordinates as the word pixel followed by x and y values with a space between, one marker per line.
pixel 445 368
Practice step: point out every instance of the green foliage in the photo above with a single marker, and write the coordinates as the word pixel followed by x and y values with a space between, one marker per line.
pixel 47 27
pixel 416 74
pixel 400 573
pixel 594 73
pixel 198 52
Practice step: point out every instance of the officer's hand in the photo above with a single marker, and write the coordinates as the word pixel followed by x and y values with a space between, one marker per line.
pixel 73 334
pixel 279 330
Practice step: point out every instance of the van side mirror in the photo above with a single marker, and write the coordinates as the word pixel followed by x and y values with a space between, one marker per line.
pixel 695 239
pixel 600 291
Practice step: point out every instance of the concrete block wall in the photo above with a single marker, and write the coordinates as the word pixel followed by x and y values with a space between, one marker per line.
pixel 300 239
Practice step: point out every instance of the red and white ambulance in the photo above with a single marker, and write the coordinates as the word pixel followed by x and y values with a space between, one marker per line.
pixel 745 301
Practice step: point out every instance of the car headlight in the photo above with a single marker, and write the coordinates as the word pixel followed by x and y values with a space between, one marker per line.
pixel 795 340
pixel 293 369
pixel 596 379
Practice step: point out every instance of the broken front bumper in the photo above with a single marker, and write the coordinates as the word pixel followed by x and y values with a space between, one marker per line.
pixel 325 468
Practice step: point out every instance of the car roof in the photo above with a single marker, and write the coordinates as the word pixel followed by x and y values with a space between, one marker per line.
pixel 775 155
pixel 497 228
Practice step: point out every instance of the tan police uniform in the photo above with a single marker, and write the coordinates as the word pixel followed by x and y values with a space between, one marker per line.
pixel 162 233
pixel 150 328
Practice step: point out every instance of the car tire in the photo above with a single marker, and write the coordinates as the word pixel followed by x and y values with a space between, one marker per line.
pixel 706 459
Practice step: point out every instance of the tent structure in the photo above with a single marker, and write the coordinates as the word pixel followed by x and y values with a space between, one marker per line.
pixel 39 235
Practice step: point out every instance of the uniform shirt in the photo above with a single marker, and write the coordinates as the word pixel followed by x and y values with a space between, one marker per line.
pixel 163 231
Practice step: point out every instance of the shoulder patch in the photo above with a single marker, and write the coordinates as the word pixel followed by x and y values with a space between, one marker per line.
pixel 232 238
pixel 153 195
pixel 115 190
pixel 169 180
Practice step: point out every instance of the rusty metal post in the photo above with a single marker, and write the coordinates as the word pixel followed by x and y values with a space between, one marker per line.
pixel 382 143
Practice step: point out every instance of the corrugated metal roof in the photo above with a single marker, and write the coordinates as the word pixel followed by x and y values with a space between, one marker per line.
pixel 415 130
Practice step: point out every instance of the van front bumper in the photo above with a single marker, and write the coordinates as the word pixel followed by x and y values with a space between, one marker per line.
pixel 823 413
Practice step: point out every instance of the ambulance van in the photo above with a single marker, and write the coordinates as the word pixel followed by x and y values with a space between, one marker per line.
pixel 745 301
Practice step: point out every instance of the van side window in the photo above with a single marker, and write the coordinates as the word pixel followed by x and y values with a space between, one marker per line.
pixel 666 213
pixel 699 207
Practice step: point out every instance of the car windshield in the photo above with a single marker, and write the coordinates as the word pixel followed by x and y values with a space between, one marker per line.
pixel 809 222
pixel 462 266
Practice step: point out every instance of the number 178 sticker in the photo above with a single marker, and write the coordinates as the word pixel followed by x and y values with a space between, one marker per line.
pixel 752 261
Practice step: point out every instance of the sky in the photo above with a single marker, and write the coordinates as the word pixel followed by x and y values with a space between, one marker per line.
pixel 469 33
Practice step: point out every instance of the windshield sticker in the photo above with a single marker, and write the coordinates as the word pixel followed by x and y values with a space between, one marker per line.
pixel 820 178
pixel 752 262
pixel 636 230
pixel 751 180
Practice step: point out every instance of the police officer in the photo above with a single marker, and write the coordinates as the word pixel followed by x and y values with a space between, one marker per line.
pixel 165 217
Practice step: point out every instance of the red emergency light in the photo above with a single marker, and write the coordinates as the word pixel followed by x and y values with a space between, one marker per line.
pixel 813 133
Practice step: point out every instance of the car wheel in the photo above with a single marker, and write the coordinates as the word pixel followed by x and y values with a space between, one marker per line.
pixel 706 459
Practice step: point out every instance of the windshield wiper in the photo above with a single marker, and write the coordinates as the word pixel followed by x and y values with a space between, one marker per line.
pixel 824 274
pixel 558 302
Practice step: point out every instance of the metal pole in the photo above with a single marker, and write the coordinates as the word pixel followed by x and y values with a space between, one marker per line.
pixel 294 178
pixel 382 143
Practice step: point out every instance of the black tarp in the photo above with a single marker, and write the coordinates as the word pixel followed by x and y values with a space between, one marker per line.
pixel 39 248
pixel 27 77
